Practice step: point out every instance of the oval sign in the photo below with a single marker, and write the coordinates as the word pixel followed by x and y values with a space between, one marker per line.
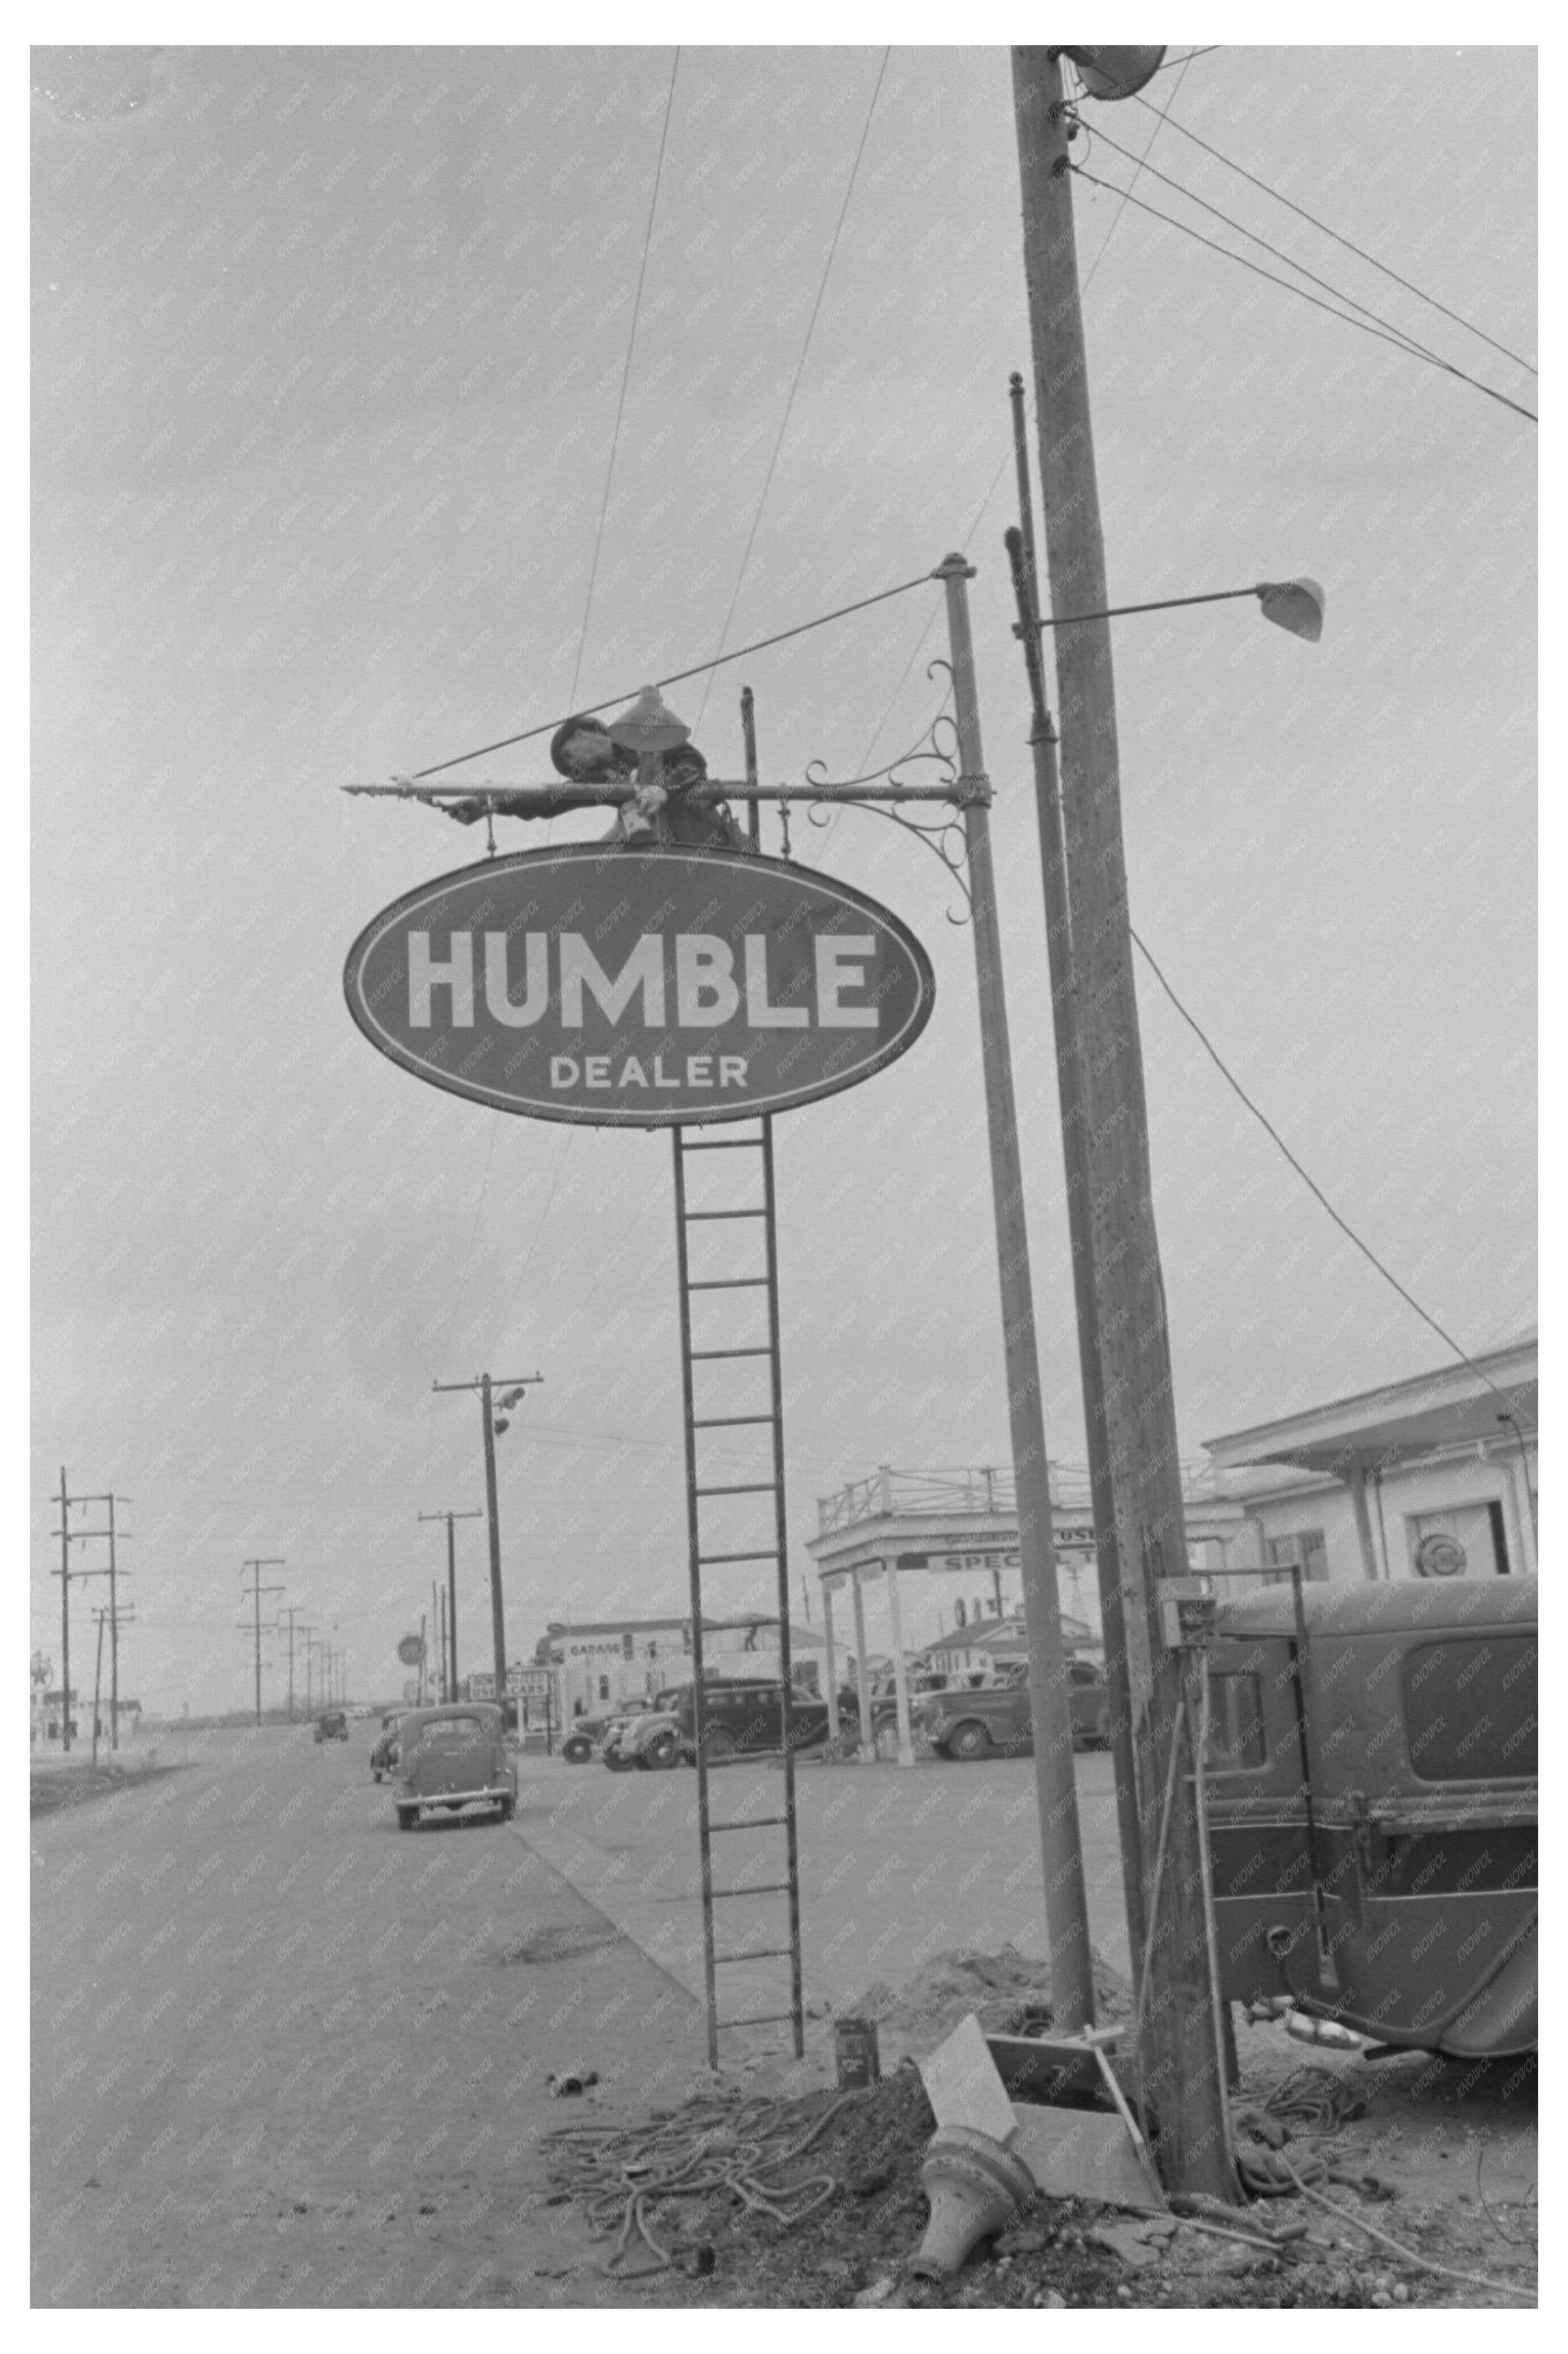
pixel 639 988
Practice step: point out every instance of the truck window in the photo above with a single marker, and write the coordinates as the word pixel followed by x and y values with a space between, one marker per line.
pixel 1469 1708
pixel 1237 1739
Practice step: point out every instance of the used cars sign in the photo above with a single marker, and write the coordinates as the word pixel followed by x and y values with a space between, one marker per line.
pixel 627 988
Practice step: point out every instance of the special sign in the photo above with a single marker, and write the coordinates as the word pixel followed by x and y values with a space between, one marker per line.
pixel 638 988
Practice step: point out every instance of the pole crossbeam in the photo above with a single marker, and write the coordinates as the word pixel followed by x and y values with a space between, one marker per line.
pixel 252 1593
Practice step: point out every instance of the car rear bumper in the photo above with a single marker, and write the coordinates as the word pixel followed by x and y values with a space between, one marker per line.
pixel 487 1797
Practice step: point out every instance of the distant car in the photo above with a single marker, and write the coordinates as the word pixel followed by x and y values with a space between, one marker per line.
pixel 453 1758
pixel 384 1755
pixel 332 1726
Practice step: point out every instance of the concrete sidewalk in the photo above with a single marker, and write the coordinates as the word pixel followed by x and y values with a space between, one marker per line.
pixel 895 1866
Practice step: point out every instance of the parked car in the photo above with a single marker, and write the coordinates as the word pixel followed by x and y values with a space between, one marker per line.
pixel 384 1753
pixel 1373 1808
pixel 586 1733
pixel 741 1716
pixel 968 1724
pixel 452 1758
pixel 332 1725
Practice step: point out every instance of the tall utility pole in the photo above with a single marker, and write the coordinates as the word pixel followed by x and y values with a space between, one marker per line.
pixel 513 1386
pixel 290 1614
pixel 450 1660
pixel 307 1638
pixel 1067 1909
pixel 255 1590
pixel 1074 1152
pixel 1179 2050
pixel 68 1537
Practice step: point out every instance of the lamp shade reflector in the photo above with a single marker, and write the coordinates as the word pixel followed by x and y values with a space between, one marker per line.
pixel 648 724
pixel 1116 73
pixel 1297 605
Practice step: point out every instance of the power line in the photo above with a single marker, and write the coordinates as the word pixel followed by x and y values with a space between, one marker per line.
pixel 914 656
pixel 800 369
pixel 1289 261
pixel 1164 114
pixel 625 377
pixel 695 670
pixel 1350 246
pixel 516 1289
pixel 1310 1183
pixel 1399 343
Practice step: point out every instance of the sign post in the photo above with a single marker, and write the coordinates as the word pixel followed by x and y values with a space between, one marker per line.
pixel 1057 1794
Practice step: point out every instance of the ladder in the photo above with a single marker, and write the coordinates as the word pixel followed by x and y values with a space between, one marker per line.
pixel 720 1329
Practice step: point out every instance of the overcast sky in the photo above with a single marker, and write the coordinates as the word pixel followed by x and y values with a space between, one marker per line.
pixel 328 353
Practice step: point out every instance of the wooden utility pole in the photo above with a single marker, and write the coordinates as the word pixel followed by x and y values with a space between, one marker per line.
pixel 97 1685
pixel 290 1614
pixel 1066 1910
pixel 450 1655
pixel 514 1386
pixel 1180 2063
pixel 255 1590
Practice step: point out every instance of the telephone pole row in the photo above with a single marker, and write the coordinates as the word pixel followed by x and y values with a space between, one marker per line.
pixel 68 1537
pixel 254 1593
pixel 450 1651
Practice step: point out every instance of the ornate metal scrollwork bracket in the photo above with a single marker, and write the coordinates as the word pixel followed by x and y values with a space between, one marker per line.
pixel 946 840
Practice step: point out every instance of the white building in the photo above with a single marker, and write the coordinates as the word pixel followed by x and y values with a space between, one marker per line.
pixel 1431 1477
pixel 600 1663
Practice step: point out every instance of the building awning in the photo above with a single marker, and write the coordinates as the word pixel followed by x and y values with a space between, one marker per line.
pixel 1494 1402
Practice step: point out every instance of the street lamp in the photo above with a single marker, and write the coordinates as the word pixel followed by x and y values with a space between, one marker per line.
pixel 1297 605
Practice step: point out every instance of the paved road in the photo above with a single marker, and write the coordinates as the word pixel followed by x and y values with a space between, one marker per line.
pixel 284 2054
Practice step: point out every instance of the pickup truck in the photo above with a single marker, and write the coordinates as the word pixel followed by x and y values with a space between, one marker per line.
pixel 969 1724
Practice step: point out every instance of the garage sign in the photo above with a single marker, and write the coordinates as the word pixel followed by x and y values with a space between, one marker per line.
pixel 639 988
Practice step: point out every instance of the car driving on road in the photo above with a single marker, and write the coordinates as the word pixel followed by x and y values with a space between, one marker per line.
pixel 332 1725
pixel 451 1759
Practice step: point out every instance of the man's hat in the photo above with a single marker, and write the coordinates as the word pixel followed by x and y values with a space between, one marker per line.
pixel 648 724
pixel 596 772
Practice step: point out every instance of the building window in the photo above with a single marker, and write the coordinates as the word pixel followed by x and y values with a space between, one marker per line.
pixel 604 1687
pixel 1304 1546
pixel 1471 1709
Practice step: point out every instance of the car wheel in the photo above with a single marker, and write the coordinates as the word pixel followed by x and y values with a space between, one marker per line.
pixel 507 1808
pixel 578 1752
pixel 406 1818
pixel 662 1752
pixel 886 1744
pixel 970 1742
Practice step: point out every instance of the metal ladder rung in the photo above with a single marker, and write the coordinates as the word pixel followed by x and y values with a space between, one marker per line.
pixel 763 1888
pixel 731 1283
pixel 747 1488
pixel 729 1352
pixel 761 2019
pixel 707 1560
pixel 727 1421
pixel 752 1953
pixel 748 1823
pixel 707 1216
pixel 727 1144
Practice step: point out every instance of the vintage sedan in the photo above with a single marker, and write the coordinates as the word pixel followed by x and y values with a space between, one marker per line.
pixel 451 1759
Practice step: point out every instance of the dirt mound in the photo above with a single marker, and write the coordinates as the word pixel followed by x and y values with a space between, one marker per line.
pixel 1009 1992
